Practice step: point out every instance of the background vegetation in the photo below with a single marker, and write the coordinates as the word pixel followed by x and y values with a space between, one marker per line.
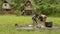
pixel 48 7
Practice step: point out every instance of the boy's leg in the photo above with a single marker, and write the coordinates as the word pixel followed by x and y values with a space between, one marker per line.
pixel 35 23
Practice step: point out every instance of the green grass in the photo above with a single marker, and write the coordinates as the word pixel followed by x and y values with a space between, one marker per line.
pixel 7 25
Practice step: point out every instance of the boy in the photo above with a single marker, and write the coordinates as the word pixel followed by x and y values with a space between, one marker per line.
pixel 34 18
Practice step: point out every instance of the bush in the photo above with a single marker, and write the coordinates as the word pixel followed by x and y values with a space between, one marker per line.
pixel 17 12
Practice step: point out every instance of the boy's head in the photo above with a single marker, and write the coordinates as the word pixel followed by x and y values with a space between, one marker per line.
pixel 36 15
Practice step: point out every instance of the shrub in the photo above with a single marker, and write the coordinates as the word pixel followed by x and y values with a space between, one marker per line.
pixel 17 12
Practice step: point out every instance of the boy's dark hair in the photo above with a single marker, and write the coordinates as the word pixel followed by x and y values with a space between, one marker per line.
pixel 36 15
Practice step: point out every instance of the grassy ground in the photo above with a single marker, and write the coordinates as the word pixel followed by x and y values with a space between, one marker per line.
pixel 7 25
